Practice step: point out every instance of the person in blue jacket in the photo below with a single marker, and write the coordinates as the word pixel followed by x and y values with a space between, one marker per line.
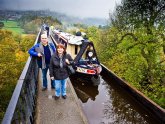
pixel 43 51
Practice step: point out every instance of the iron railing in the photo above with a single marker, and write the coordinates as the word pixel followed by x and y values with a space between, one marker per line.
pixel 21 108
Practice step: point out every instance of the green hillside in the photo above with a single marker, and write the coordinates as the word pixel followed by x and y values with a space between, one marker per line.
pixel 12 26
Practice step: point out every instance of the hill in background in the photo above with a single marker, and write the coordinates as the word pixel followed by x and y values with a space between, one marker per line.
pixel 65 19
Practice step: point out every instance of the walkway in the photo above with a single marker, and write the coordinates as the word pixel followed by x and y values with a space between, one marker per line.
pixel 50 111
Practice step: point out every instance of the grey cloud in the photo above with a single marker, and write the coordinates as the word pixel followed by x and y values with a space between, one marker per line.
pixel 79 8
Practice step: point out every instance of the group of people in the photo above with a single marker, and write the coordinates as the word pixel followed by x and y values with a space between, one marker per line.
pixel 54 59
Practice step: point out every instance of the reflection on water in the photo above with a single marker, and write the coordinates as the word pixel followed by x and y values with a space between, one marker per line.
pixel 85 91
pixel 107 104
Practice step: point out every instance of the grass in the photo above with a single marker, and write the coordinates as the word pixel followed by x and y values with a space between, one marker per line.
pixel 12 26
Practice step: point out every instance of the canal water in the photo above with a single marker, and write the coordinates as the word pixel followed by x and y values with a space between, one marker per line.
pixel 107 103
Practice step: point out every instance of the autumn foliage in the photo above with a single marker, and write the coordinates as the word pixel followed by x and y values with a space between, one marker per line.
pixel 13 56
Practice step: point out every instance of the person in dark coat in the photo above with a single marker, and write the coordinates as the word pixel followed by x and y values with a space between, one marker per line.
pixel 58 70
pixel 43 51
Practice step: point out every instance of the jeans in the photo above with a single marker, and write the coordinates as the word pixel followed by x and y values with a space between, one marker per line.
pixel 60 87
pixel 44 76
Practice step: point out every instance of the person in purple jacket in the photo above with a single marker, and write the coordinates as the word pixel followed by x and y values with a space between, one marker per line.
pixel 43 51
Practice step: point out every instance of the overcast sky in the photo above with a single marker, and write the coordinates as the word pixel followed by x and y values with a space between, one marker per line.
pixel 78 8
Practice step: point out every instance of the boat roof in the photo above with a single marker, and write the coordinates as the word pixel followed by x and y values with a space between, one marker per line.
pixel 69 38
pixel 77 40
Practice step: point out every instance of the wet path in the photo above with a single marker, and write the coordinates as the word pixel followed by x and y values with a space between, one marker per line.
pixel 51 111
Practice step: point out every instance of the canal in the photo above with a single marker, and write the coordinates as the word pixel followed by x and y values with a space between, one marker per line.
pixel 108 103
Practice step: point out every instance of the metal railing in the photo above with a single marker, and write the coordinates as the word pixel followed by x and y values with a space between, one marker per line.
pixel 21 108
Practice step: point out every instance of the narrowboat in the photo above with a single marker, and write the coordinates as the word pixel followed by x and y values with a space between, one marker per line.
pixel 83 52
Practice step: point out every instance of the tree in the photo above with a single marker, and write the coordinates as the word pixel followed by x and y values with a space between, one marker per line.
pixel 13 55
pixel 137 13
pixel 136 45
pixel 1 25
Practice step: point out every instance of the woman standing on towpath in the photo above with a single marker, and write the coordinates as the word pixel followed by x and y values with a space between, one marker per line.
pixel 58 70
